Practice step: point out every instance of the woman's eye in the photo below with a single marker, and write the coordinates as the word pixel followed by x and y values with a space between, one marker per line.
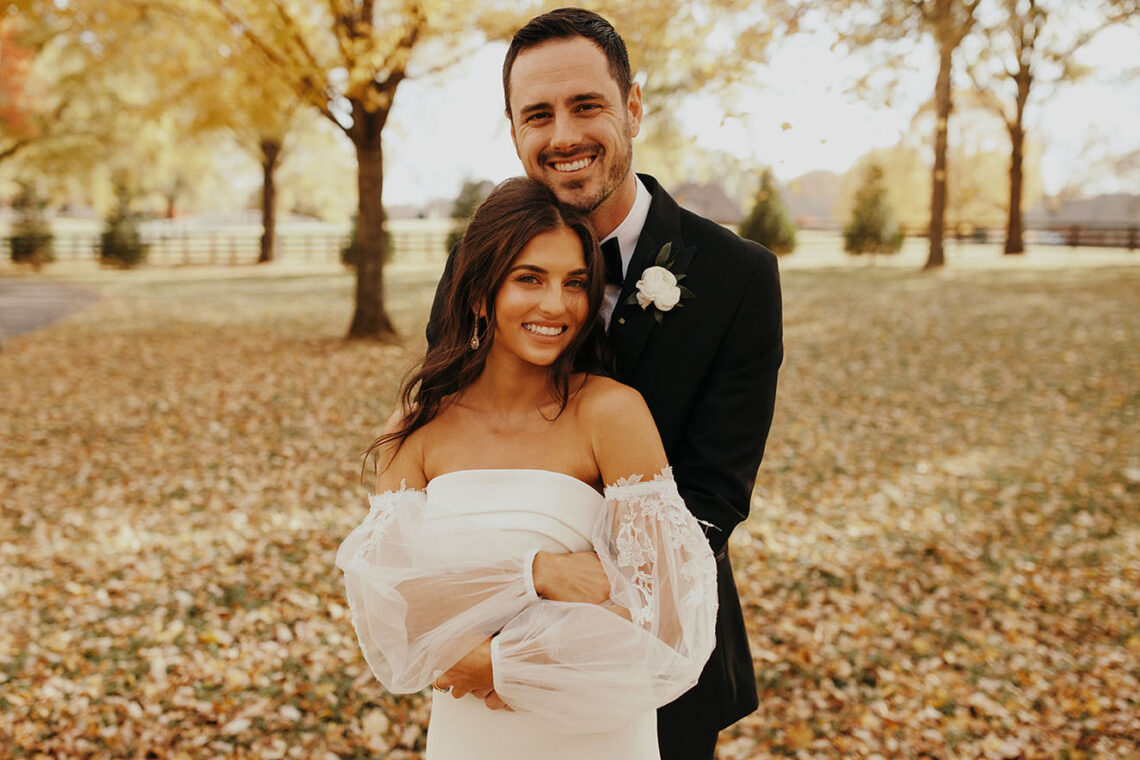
pixel 576 284
pixel 528 279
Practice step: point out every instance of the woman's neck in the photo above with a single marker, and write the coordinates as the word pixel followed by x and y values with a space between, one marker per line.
pixel 507 385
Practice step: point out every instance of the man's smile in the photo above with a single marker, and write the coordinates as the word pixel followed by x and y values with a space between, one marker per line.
pixel 573 166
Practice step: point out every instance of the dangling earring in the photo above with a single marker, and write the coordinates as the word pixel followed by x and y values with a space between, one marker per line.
pixel 475 336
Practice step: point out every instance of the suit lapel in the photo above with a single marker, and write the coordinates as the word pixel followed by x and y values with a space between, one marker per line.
pixel 631 325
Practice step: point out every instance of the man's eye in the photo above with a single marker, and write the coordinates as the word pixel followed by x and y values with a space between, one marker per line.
pixel 537 117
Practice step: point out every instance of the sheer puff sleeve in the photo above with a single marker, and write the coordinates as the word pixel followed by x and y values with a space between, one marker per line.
pixel 582 667
pixel 416 605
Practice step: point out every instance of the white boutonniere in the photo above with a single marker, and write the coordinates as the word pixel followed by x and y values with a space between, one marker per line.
pixel 659 287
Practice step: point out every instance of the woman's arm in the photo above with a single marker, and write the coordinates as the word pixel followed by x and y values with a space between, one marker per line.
pixel 580 667
pixel 419 603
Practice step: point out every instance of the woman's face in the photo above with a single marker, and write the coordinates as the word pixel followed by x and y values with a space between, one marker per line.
pixel 543 300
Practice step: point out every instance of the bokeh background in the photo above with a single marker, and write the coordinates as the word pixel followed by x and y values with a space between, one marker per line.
pixel 200 200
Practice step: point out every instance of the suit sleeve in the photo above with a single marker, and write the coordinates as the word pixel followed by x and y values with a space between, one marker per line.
pixel 440 299
pixel 722 445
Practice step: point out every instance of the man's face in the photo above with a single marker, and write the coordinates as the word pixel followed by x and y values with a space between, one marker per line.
pixel 571 127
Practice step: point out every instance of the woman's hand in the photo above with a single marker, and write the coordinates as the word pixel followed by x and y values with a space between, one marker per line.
pixel 471 675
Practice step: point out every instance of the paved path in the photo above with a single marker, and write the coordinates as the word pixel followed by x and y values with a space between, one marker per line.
pixel 27 305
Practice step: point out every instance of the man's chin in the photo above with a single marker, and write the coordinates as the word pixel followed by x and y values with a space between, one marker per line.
pixel 577 194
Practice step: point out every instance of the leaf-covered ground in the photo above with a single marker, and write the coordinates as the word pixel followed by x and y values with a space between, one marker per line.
pixel 943 559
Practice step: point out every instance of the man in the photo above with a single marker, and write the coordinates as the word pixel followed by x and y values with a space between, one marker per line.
pixel 706 367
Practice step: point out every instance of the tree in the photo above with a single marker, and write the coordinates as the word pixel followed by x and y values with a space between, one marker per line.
pixel 946 23
pixel 347 58
pixel 471 194
pixel 872 228
pixel 31 236
pixel 16 127
pixel 906 177
pixel 768 223
pixel 1027 41
pixel 28 116
pixel 95 70
pixel 121 244
pixel 259 129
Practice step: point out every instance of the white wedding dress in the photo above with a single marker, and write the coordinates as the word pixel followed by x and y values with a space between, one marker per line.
pixel 432 573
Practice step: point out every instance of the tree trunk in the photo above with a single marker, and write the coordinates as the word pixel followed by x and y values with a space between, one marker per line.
pixel 1014 237
pixel 1014 243
pixel 370 320
pixel 270 153
pixel 942 103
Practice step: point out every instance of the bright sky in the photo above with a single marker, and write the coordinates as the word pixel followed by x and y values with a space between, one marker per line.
pixel 451 127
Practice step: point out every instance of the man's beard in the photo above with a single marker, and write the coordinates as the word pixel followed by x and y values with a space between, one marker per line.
pixel 612 180
pixel 617 174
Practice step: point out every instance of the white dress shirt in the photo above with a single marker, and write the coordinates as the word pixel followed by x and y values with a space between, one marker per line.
pixel 627 234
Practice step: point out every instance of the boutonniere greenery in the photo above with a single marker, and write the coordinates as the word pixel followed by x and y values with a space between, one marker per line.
pixel 659 287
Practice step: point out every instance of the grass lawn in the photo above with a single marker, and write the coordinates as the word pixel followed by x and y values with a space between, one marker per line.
pixel 943 558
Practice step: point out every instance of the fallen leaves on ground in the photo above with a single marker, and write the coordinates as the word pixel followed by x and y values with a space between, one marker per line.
pixel 943 558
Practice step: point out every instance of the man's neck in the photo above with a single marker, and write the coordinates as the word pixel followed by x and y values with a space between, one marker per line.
pixel 613 210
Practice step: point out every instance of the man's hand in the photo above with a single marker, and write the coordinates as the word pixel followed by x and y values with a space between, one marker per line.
pixel 471 675
pixel 574 577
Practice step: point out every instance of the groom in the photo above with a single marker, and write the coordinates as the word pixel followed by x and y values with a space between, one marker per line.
pixel 706 368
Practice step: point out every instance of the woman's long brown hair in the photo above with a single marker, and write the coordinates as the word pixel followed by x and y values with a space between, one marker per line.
pixel 512 215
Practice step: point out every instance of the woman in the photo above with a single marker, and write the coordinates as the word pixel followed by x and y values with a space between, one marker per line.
pixel 507 434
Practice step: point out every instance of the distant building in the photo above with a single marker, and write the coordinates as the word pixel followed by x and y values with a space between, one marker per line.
pixel 708 200
pixel 1118 210
pixel 812 198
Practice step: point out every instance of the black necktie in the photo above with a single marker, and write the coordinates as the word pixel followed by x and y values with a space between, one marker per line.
pixel 611 255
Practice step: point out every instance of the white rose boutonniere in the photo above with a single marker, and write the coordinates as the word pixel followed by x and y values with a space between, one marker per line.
pixel 659 287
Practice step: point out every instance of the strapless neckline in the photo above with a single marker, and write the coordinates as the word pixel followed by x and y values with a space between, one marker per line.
pixel 491 472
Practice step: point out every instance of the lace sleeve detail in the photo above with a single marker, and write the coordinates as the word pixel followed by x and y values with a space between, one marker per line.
pixel 641 513
pixel 583 668
pixel 417 603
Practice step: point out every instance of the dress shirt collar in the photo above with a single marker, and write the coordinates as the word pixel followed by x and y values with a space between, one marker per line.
pixel 628 232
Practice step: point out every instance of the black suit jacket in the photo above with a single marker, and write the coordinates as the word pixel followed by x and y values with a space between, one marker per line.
pixel 707 372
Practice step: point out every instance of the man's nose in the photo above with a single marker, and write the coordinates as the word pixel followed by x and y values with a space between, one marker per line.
pixel 566 133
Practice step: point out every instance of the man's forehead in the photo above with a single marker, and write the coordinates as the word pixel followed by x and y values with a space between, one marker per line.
pixel 559 68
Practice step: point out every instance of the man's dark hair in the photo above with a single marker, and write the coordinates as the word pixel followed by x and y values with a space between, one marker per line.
pixel 566 23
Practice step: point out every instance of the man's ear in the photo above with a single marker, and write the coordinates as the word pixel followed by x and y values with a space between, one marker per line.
pixel 514 140
pixel 633 103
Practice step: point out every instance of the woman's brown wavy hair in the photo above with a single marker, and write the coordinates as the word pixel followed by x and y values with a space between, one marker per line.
pixel 512 215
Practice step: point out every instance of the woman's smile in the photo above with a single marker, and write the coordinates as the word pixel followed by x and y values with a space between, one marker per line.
pixel 544 293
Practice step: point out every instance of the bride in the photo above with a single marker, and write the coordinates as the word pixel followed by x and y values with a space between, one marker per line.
pixel 511 454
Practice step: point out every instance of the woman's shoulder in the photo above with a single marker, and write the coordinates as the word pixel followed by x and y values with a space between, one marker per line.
pixel 399 461
pixel 603 398
pixel 622 433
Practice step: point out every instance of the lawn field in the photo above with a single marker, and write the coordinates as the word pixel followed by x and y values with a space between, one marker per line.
pixel 943 557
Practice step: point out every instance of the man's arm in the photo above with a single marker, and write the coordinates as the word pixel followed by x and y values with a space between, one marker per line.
pixel 570 577
pixel 719 452
pixel 440 299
